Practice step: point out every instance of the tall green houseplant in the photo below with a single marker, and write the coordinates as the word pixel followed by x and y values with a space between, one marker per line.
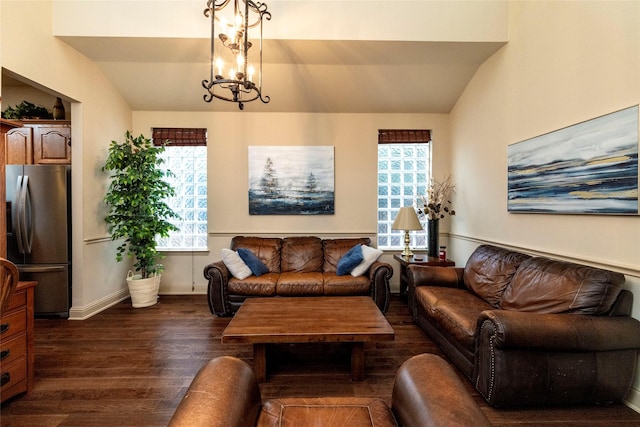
pixel 136 201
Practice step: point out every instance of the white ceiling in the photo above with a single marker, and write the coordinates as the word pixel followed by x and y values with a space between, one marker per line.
pixel 165 74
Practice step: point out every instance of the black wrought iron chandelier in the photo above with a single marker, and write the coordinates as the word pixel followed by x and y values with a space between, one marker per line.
pixel 235 75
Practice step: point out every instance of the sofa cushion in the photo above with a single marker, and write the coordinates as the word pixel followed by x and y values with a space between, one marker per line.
pixel 349 260
pixel 346 285
pixel 234 263
pixel 302 254
pixel 326 412
pixel 263 286
pixel 454 310
pixel 268 249
pixel 334 249
pixel 489 271
pixel 256 266
pixel 369 255
pixel 292 283
pixel 543 285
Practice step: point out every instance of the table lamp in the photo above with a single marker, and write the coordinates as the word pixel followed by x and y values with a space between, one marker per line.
pixel 406 220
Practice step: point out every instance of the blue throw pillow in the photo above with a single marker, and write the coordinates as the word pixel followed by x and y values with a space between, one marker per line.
pixel 349 260
pixel 256 266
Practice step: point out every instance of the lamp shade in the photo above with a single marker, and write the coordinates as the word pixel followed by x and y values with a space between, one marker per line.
pixel 406 220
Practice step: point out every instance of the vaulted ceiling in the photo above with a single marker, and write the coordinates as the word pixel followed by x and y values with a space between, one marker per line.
pixel 352 56
pixel 299 75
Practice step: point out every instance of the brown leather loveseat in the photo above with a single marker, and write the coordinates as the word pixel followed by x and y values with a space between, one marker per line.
pixel 426 392
pixel 297 266
pixel 530 330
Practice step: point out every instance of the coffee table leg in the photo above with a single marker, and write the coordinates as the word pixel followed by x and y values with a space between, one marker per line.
pixel 260 362
pixel 357 361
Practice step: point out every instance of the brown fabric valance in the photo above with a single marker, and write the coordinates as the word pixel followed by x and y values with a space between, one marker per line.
pixel 180 136
pixel 398 136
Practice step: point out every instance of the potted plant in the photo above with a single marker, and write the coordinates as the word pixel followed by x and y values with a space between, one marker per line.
pixel 138 212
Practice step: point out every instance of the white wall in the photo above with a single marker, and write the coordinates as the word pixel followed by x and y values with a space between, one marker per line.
pixel 566 62
pixel 354 138
pixel 98 113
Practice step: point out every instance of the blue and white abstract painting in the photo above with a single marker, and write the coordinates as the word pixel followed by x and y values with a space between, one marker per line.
pixel 291 180
pixel 587 168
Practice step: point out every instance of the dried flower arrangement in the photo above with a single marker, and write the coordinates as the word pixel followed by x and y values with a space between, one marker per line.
pixel 437 202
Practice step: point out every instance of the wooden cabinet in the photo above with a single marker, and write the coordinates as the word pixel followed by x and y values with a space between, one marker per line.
pixel 42 142
pixel 16 343
pixel 19 146
pixel 52 144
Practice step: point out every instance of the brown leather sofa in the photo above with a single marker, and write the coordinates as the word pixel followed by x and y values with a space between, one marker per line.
pixel 530 330
pixel 298 266
pixel 426 392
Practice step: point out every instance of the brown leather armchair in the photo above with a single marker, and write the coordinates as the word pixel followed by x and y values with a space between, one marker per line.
pixel 426 392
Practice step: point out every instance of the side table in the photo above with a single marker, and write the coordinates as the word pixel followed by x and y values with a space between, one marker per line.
pixel 418 259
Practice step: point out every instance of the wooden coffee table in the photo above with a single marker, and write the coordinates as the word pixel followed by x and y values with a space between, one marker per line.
pixel 343 319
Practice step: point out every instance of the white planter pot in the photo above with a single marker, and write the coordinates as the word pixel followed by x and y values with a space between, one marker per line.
pixel 144 292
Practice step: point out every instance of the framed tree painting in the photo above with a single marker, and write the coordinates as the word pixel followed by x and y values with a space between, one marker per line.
pixel 291 180
pixel 587 168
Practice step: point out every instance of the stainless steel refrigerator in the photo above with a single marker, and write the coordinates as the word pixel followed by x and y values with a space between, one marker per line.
pixel 39 232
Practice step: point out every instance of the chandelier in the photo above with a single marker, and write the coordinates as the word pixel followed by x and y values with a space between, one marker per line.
pixel 236 76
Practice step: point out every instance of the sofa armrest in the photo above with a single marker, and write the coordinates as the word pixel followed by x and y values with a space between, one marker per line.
pixel 224 393
pixel 428 392
pixel 218 276
pixel 379 275
pixel 554 359
pixel 422 275
pixel 559 332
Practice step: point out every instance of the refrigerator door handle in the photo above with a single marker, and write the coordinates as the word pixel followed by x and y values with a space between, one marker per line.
pixel 25 221
pixel 41 269
pixel 16 213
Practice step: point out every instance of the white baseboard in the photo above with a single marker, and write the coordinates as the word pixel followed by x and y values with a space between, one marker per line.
pixel 633 399
pixel 82 313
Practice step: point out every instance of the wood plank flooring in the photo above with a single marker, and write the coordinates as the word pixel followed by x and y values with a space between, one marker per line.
pixel 131 367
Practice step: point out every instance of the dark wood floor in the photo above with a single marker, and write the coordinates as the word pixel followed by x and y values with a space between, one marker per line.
pixel 130 367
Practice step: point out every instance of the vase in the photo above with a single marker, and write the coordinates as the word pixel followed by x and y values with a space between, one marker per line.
pixel 433 234
pixel 58 110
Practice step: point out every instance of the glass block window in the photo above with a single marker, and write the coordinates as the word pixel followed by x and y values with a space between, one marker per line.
pixel 404 170
pixel 188 162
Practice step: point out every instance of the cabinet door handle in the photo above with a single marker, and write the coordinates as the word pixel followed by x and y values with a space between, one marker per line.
pixel 4 328
pixel 4 354
pixel 5 378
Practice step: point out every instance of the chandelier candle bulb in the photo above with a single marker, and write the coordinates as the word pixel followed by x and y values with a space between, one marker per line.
pixel 219 63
